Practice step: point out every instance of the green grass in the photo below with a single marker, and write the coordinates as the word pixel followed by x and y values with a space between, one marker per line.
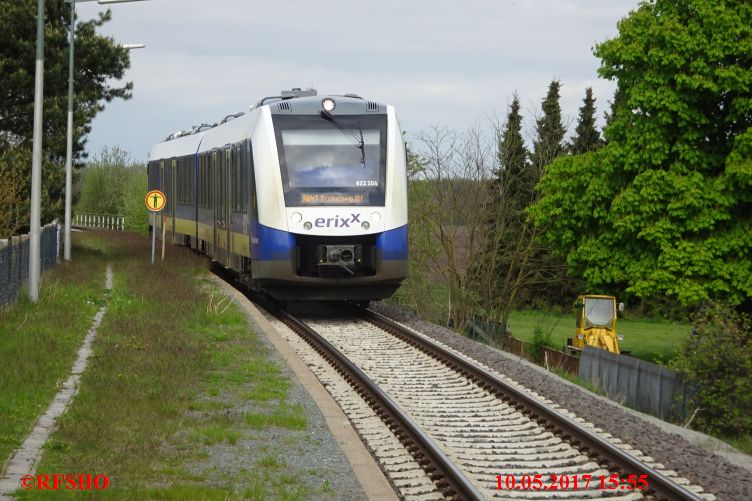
pixel 743 443
pixel 216 433
pixel 38 342
pixel 652 340
pixel 175 376
pixel 284 416
pixel 655 340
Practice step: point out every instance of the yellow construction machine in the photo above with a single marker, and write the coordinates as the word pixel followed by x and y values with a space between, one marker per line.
pixel 596 324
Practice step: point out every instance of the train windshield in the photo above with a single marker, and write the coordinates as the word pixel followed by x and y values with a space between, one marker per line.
pixel 332 162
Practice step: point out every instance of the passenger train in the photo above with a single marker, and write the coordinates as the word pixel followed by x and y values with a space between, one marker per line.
pixel 304 196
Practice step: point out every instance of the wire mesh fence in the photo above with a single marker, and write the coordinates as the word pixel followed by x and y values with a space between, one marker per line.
pixel 14 260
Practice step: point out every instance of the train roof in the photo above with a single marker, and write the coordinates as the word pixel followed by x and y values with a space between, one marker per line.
pixel 349 104
pixel 178 147
pixel 228 132
pixel 237 126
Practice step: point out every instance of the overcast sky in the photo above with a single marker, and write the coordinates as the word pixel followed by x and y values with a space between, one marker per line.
pixel 447 62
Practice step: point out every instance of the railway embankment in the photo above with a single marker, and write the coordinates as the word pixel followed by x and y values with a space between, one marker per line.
pixel 182 397
pixel 719 468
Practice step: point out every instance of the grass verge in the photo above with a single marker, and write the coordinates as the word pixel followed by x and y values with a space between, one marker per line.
pixel 180 399
pixel 38 342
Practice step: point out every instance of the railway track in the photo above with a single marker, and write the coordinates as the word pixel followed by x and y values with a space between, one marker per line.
pixel 443 426
pixel 463 425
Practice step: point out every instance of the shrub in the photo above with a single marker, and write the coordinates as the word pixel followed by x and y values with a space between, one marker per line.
pixel 540 340
pixel 114 184
pixel 14 212
pixel 717 360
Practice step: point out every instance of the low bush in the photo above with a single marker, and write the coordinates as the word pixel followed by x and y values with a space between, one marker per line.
pixel 540 340
pixel 717 360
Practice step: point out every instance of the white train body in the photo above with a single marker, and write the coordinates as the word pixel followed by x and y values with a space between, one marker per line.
pixel 304 196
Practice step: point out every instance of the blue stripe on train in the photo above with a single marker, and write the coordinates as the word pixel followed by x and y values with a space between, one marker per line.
pixel 275 245
pixel 393 244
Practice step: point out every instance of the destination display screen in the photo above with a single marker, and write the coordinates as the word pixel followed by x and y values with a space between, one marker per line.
pixel 333 198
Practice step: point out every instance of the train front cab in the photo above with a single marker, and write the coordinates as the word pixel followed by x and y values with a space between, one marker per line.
pixel 343 230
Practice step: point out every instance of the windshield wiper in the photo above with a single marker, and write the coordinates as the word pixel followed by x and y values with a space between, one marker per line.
pixel 361 143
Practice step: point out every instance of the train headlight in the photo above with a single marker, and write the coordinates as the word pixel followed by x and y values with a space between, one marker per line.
pixel 297 217
pixel 375 217
pixel 365 225
pixel 307 225
pixel 328 104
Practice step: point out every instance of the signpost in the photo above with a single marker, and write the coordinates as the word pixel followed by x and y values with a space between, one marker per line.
pixel 155 202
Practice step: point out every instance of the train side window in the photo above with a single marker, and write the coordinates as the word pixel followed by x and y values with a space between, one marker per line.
pixel 192 179
pixel 171 185
pixel 202 180
pixel 223 201
pixel 186 181
pixel 182 178
pixel 252 178
pixel 233 180
pixel 242 184
pixel 212 170
pixel 179 183
pixel 238 189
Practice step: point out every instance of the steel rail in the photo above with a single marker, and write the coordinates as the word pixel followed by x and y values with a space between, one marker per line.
pixel 597 447
pixel 449 479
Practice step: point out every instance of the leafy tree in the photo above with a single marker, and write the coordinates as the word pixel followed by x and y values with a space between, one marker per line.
pixel 666 206
pixel 549 129
pixel 99 62
pixel 587 137
pixel 611 113
pixel 113 184
pixel 13 212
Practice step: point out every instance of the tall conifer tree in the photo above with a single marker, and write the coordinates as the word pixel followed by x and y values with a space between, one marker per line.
pixel 587 138
pixel 549 129
pixel 513 158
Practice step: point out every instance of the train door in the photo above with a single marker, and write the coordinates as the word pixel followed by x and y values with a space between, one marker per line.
pixel 216 168
pixel 253 206
pixel 171 202
pixel 232 167
pixel 160 219
pixel 221 207
pixel 195 163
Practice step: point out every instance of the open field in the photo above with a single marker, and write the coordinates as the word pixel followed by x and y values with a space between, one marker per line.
pixel 653 340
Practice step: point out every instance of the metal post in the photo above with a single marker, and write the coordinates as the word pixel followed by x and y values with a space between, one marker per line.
pixel 164 231
pixel 69 140
pixel 36 160
pixel 153 235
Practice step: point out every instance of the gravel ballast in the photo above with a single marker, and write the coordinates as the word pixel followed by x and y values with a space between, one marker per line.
pixel 701 466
